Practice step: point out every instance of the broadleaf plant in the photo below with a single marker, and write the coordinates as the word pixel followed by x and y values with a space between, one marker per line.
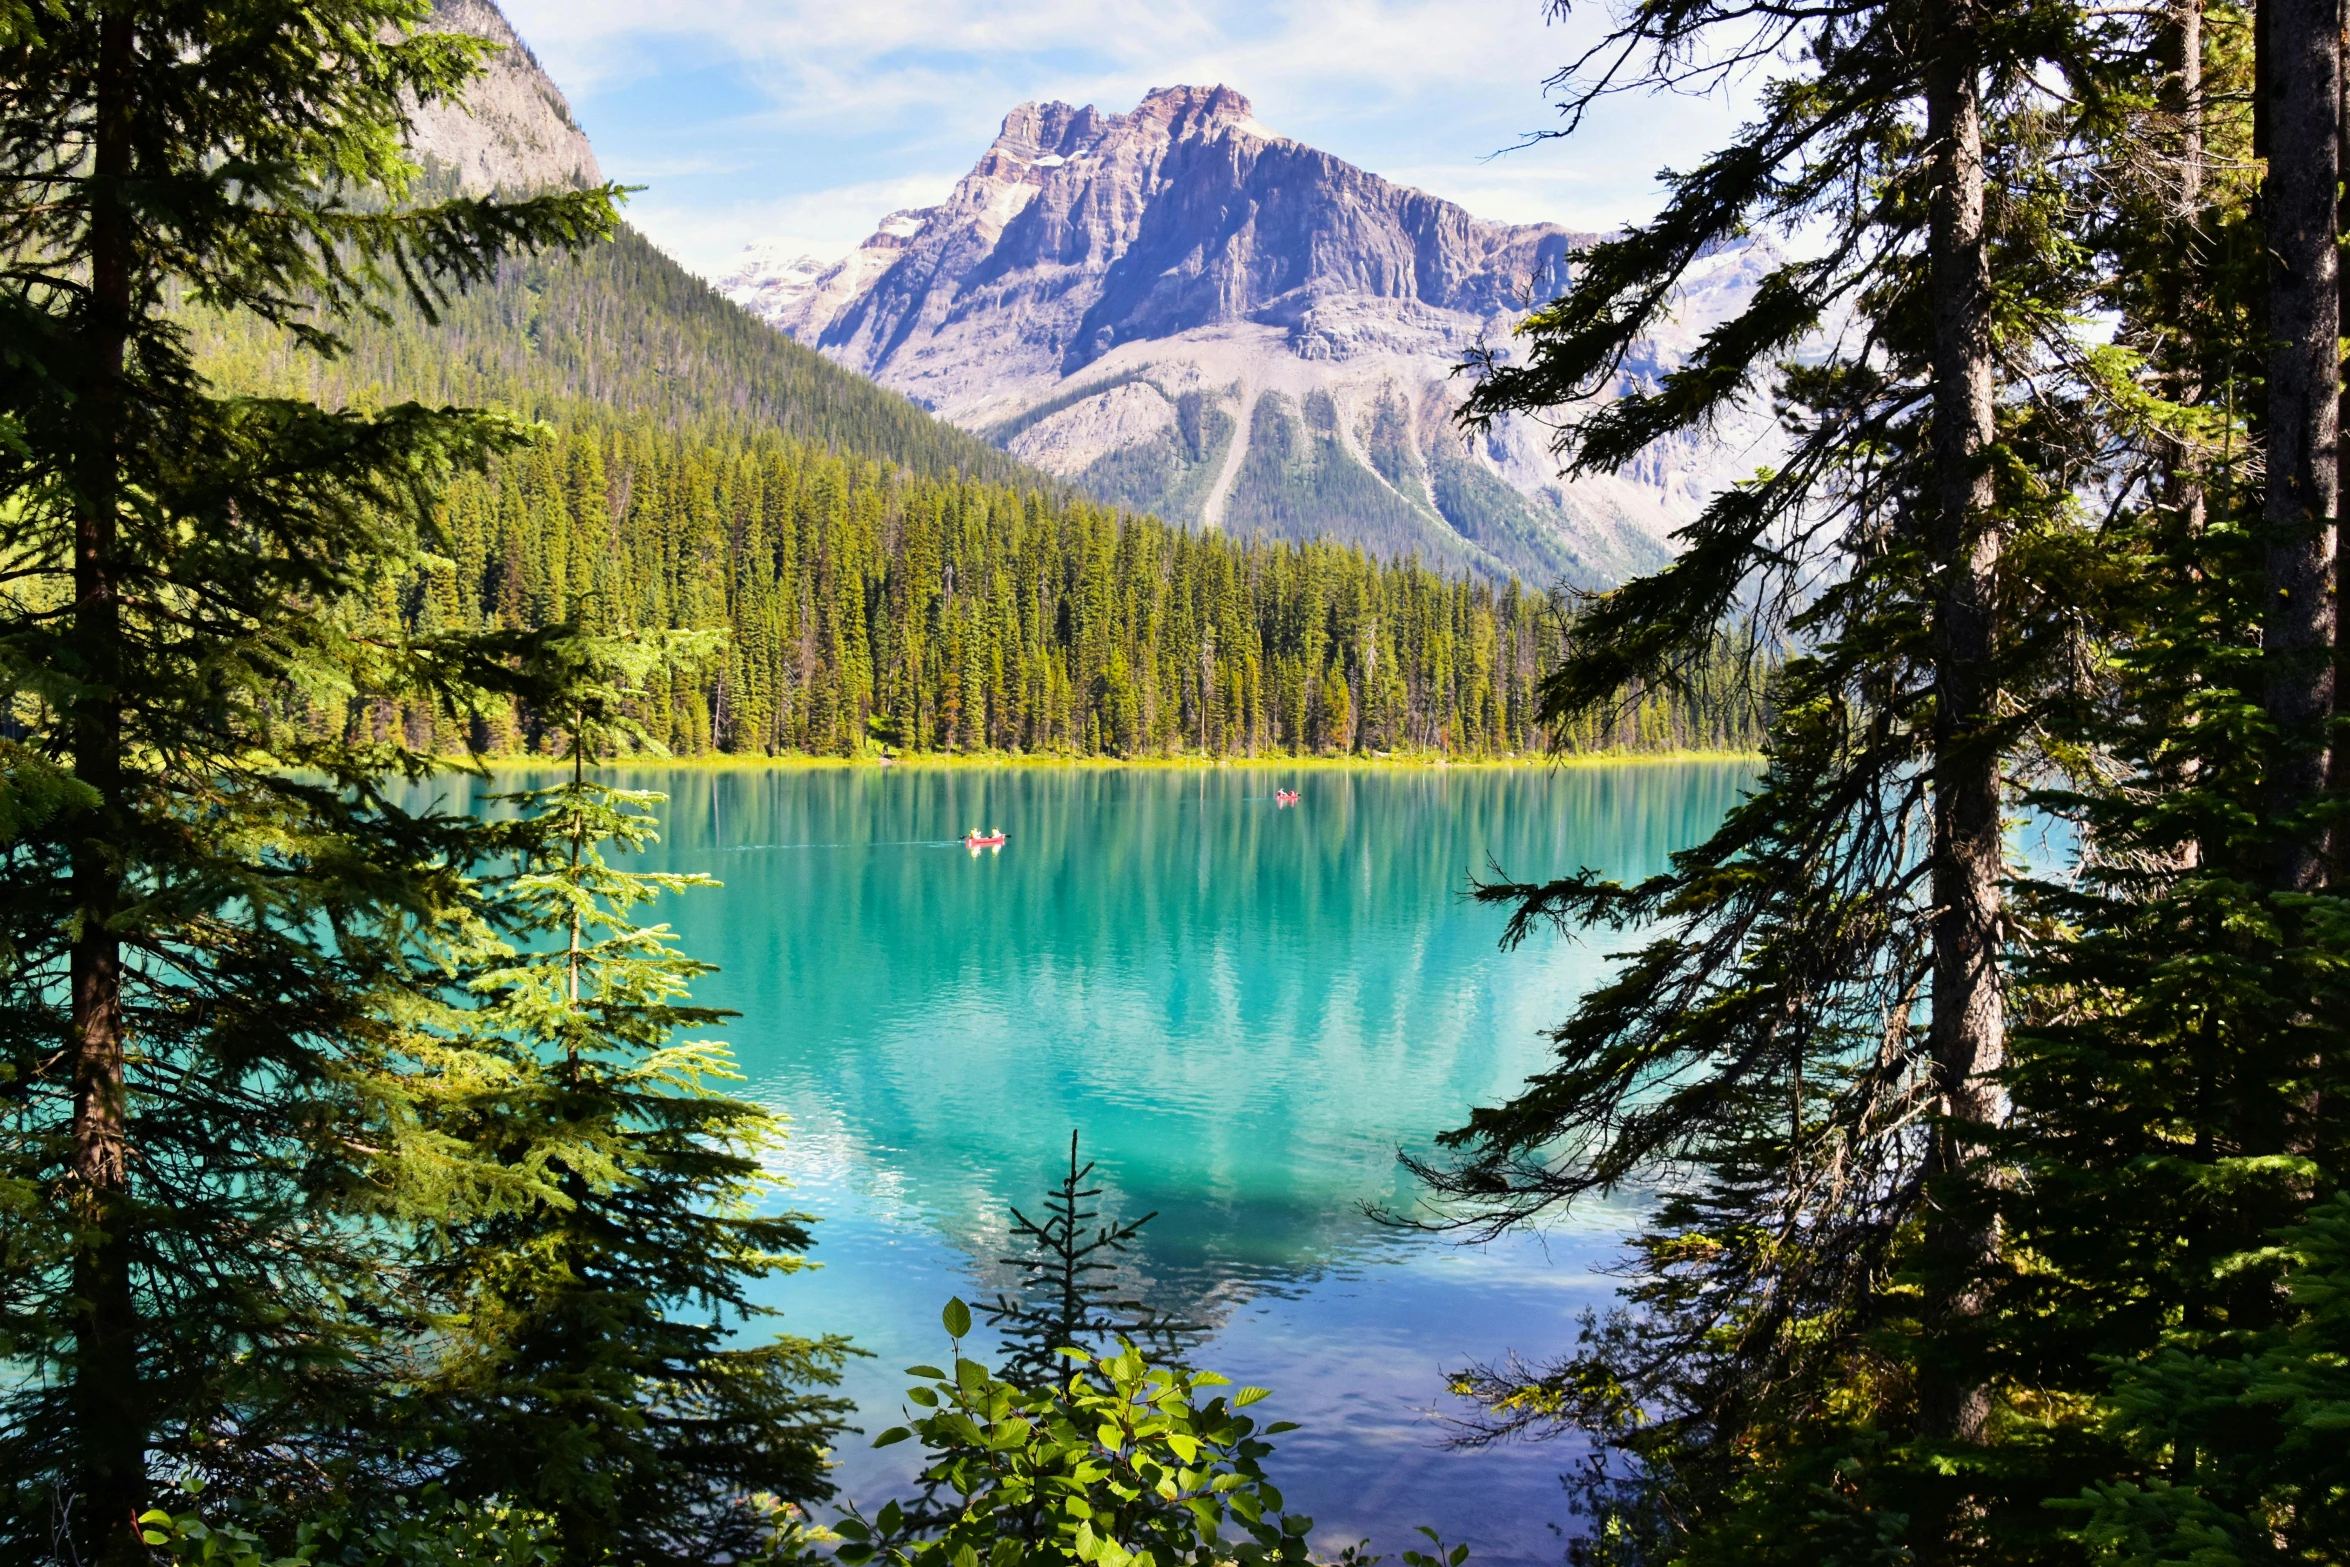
pixel 1122 1464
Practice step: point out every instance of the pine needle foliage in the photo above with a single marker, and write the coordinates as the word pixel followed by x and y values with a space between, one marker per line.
pixel 2267 1480
pixel 591 1374
pixel 218 925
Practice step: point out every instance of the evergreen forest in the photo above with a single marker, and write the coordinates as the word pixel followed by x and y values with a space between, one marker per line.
pixel 866 607
pixel 887 582
pixel 375 1190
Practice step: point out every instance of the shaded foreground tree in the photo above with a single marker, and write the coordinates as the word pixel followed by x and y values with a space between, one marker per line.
pixel 1806 1055
pixel 212 904
pixel 2047 1291
pixel 2184 1026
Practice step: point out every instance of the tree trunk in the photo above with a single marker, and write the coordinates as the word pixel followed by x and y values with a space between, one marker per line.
pixel 109 1414
pixel 2301 99
pixel 2184 495
pixel 1968 1030
pixel 2338 762
pixel 2187 21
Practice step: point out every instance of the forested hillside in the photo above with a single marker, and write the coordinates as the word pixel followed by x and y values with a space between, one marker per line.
pixel 617 329
pixel 886 579
pixel 868 605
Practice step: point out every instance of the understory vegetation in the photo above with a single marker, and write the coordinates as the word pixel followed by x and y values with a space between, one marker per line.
pixel 373 1190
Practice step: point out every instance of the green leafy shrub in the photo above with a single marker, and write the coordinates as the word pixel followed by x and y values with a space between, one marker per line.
pixel 1120 1465
pixel 433 1530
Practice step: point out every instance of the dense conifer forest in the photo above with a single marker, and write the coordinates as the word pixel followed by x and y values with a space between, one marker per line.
pixel 885 580
pixel 868 606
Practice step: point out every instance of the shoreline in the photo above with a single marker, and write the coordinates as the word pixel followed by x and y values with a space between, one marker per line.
pixel 938 761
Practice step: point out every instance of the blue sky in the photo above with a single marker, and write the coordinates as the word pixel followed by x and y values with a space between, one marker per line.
pixel 803 121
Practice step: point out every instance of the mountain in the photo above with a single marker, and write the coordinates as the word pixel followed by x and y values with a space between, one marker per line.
pixel 617 334
pixel 881 575
pixel 514 131
pixel 1182 311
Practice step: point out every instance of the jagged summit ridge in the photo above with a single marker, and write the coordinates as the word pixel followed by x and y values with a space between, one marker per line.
pixel 1098 229
pixel 1187 312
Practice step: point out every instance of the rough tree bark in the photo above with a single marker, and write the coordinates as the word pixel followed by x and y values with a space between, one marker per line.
pixel 110 1439
pixel 2183 487
pixel 2185 103
pixel 2338 762
pixel 1967 1033
pixel 2300 69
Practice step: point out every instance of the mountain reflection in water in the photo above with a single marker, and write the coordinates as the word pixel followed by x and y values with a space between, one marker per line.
pixel 1246 1010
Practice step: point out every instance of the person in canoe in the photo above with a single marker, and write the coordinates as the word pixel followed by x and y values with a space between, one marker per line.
pixel 975 840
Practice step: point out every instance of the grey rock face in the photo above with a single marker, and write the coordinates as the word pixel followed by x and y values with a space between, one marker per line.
pixel 513 132
pixel 1188 313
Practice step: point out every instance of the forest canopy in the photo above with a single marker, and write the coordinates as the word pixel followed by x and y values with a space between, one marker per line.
pixel 864 606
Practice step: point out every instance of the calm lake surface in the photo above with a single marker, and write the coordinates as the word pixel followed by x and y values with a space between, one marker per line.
pixel 1244 1010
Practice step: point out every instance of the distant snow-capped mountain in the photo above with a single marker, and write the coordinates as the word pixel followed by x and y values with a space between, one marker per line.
pixel 1185 312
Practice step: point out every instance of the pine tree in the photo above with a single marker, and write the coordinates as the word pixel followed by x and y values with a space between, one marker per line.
pixel 590 1374
pixel 1068 1297
pixel 1810 1297
pixel 2181 1042
pixel 2098 1322
pixel 211 903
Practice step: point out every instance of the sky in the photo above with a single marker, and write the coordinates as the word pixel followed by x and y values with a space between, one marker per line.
pixel 803 122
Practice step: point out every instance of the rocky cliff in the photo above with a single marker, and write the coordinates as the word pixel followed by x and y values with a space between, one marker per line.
pixel 1185 312
pixel 513 132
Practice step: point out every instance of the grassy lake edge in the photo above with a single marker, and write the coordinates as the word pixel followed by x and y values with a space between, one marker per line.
pixel 938 760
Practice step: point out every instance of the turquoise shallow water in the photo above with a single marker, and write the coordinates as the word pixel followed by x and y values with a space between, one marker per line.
pixel 1246 1011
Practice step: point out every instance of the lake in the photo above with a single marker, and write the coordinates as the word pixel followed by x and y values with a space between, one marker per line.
pixel 1245 1009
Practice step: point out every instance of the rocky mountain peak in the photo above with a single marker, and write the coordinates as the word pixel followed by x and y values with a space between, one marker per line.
pixel 514 130
pixel 1049 134
pixel 1184 213
pixel 1195 111
pixel 1187 313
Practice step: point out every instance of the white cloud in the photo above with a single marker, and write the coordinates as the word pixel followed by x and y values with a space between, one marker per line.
pixel 754 118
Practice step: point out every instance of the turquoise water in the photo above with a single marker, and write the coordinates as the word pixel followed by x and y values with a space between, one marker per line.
pixel 1244 1009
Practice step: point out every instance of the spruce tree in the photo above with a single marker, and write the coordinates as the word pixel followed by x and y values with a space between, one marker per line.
pixel 1805 1057
pixel 1068 1296
pixel 2096 1319
pixel 212 902
pixel 2178 1066
pixel 588 1370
